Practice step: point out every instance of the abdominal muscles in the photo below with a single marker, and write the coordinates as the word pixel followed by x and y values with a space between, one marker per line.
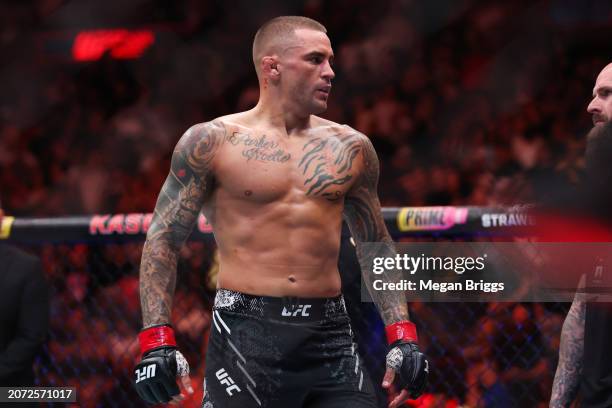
pixel 287 247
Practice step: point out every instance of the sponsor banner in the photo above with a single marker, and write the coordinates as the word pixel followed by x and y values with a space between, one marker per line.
pixel 430 218
pixel 406 221
pixel 120 224
pixel 132 224
pixel 5 226
pixel 488 271
pixel 507 219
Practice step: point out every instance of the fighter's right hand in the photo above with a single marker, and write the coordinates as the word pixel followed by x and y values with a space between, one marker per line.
pixel 161 364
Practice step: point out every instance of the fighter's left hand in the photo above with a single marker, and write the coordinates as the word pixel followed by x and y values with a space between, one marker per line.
pixel 407 367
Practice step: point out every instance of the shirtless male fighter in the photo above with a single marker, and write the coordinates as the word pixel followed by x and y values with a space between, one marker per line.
pixel 584 366
pixel 275 183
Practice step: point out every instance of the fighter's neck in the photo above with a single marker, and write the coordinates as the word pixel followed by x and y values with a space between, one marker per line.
pixel 279 116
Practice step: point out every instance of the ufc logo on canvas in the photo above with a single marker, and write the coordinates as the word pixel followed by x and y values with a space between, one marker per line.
pixel 226 380
pixel 301 308
pixel 145 372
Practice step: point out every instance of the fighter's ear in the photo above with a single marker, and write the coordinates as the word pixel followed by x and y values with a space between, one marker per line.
pixel 269 65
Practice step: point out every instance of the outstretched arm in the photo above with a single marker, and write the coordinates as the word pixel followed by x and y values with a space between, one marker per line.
pixel 571 351
pixel 177 209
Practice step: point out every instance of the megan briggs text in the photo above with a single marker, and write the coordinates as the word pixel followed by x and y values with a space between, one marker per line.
pixel 430 285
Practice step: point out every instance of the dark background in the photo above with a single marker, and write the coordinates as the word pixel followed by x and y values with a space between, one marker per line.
pixel 467 103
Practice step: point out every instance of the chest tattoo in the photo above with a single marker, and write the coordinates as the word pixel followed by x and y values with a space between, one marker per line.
pixel 259 148
pixel 327 164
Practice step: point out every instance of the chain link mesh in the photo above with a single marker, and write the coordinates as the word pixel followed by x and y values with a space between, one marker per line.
pixel 481 354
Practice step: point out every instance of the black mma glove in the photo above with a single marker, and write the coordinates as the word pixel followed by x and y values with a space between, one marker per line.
pixel 410 365
pixel 161 364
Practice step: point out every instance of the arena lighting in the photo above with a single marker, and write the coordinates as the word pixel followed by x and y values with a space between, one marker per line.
pixel 120 43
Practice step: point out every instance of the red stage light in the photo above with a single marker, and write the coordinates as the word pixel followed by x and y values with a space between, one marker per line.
pixel 121 43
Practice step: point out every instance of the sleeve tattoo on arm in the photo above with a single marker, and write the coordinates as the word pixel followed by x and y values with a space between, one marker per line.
pixel 363 215
pixel 178 207
pixel 571 351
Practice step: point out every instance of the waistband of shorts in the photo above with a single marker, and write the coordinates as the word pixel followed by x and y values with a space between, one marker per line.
pixel 289 309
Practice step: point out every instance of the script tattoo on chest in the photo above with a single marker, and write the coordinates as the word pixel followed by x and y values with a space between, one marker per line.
pixel 259 148
pixel 327 163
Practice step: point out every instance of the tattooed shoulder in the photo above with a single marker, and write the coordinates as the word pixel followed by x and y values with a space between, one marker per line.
pixel 370 166
pixel 198 146
pixel 328 163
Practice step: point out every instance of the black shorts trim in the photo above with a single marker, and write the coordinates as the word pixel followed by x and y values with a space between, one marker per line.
pixel 287 309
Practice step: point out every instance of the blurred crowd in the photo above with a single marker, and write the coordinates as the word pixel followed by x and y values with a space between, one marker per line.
pixel 95 319
pixel 466 104
pixel 482 355
pixel 481 107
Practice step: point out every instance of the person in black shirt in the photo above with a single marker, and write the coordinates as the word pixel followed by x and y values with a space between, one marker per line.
pixel 585 366
pixel 24 314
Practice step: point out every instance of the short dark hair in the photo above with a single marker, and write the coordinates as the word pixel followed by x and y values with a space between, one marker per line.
pixel 277 31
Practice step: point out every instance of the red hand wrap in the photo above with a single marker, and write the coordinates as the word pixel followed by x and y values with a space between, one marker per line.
pixel 405 331
pixel 155 337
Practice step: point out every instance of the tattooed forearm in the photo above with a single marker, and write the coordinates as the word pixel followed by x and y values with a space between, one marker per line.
pixel 157 281
pixel 571 351
pixel 177 209
pixel 363 215
pixel 392 305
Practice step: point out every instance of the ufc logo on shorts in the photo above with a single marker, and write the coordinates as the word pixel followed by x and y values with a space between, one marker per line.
pixel 145 372
pixel 303 309
pixel 226 380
